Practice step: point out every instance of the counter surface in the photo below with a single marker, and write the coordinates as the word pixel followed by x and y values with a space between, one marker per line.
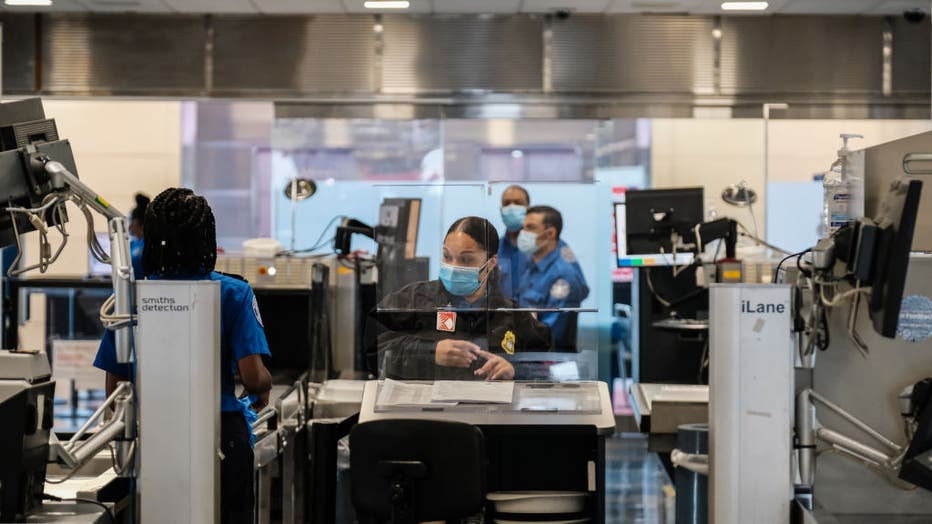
pixel 602 418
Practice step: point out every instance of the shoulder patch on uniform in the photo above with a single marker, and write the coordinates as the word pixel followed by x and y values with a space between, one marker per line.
pixel 255 310
pixel 560 289
pixel 568 254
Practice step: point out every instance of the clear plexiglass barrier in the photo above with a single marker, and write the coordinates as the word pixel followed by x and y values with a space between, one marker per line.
pixel 482 282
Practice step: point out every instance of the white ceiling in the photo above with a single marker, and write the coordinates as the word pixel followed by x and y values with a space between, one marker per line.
pixel 872 7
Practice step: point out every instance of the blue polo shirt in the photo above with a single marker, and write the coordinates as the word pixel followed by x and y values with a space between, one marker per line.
pixel 511 265
pixel 556 281
pixel 135 254
pixel 241 335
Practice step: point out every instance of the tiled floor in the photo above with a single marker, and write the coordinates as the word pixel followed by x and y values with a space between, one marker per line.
pixel 635 483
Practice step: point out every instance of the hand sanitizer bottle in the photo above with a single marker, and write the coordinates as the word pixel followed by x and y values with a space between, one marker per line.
pixel 843 191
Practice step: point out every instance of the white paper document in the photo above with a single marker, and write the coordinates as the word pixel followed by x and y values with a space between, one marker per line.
pixel 473 391
pixel 395 393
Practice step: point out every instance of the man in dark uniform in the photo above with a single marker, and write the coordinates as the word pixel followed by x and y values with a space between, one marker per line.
pixel 553 278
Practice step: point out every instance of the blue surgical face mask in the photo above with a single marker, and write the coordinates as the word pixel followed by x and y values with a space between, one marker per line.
pixel 513 216
pixel 527 242
pixel 461 281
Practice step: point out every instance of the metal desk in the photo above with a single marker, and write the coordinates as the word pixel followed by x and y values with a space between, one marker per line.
pixel 69 512
pixel 659 409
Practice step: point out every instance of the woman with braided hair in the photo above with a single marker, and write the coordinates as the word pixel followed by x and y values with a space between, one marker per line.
pixel 180 244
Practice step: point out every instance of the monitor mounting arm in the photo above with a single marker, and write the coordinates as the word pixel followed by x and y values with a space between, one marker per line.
pixel 723 228
pixel 75 453
pixel 118 321
pixel 808 430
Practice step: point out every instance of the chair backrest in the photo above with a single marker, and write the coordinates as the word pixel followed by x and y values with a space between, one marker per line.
pixel 417 470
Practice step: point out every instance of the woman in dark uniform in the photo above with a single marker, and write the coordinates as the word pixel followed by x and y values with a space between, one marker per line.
pixel 458 327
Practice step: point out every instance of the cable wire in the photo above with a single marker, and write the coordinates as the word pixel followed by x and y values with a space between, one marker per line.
pixel 842 297
pixel 317 243
pixel 747 233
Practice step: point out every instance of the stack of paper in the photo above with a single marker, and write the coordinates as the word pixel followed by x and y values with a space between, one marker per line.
pixel 479 391
pixel 444 393
pixel 396 393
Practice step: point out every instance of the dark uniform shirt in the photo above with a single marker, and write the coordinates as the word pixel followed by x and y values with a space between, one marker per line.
pixel 413 319
pixel 556 281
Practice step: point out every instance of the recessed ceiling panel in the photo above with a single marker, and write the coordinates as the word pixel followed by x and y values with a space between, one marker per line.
pixel 653 6
pixel 416 6
pixel 211 6
pixel 476 6
pixel 127 6
pixel 714 7
pixel 574 6
pixel 299 6
pixel 827 6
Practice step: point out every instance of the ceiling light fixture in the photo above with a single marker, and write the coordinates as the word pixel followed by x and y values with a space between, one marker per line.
pixel 745 6
pixel 387 4
pixel 29 3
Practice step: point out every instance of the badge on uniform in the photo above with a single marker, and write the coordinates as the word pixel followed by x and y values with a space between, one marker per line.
pixel 446 321
pixel 508 343
pixel 568 254
pixel 560 289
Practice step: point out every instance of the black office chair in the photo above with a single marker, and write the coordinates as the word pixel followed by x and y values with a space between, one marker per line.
pixel 408 471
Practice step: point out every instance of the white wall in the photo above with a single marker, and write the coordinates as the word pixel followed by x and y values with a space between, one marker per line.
pixel 120 147
pixel 716 153
pixel 800 148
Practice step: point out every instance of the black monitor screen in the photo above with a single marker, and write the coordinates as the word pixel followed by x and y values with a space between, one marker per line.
pixel 896 221
pixel 398 227
pixel 20 188
pixel 652 215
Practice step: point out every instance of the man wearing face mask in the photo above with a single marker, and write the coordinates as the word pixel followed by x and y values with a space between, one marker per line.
pixel 511 261
pixel 455 328
pixel 553 278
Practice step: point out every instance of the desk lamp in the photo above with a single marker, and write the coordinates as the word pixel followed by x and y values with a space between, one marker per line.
pixel 297 190
pixel 740 195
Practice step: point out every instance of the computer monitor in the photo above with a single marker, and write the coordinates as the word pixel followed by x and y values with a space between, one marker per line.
pixel 23 182
pixel 896 222
pixel 396 232
pixel 646 220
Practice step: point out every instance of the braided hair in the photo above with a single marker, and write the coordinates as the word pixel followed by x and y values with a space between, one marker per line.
pixel 181 235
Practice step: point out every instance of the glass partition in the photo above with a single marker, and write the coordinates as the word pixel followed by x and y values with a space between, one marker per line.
pixel 454 168
pixel 444 309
